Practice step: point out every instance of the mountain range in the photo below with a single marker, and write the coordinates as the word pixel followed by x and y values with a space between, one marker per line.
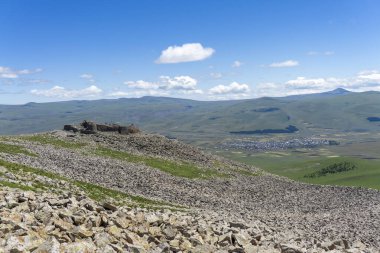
pixel 329 112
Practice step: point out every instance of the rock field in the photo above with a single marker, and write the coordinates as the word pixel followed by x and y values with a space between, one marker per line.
pixel 238 209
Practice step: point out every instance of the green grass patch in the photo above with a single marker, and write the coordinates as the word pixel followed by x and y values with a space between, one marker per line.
pixel 180 169
pixel 245 172
pixel 15 185
pixel 93 191
pixel 296 165
pixel 14 149
pixel 17 168
pixel 241 171
pixel 48 140
pixel 100 193
pixel 41 186
pixel 332 169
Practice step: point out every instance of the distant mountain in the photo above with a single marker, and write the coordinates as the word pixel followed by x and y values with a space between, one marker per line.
pixel 335 111
pixel 338 91
pixel 333 93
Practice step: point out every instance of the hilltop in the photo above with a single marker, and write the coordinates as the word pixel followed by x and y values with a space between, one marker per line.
pixel 169 196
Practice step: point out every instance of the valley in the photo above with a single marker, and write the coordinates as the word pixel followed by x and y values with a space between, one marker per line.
pixel 297 131
pixel 296 161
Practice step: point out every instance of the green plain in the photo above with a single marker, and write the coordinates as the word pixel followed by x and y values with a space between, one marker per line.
pixel 295 165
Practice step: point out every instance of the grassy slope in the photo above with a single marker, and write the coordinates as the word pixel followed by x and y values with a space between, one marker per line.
pixel 25 173
pixel 180 169
pixel 95 192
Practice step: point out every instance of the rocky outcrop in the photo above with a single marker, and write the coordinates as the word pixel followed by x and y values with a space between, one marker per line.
pixel 89 127
pixel 131 129
pixel 108 128
pixel 70 128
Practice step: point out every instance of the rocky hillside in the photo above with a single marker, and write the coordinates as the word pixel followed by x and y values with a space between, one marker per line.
pixel 105 192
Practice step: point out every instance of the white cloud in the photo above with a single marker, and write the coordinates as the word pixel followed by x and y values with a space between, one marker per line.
pixel 86 76
pixel 236 64
pixel 177 83
pixel 6 72
pixel 304 83
pixel 185 53
pixel 29 71
pixel 284 64
pixel 9 75
pixel 38 81
pixel 363 81
pixel 119 94
pixel 61 92
pixel 216 75
pixel 89 77
pixel 140 84
pixel 233 88
pixel 164 87
pixel 326 53
pixel 369 76
pixel 138 93
pixel 190 92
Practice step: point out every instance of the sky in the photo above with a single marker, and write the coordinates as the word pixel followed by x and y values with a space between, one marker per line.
pixel 203 50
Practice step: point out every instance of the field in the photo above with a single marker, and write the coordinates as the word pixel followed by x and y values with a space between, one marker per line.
pixel 297 163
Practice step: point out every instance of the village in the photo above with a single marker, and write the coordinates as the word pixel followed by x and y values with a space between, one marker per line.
pixel 258 146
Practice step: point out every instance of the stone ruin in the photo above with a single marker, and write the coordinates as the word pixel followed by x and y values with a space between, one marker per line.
pixel 90 127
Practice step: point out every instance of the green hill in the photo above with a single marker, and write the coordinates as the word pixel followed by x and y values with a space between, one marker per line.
pixel 311 114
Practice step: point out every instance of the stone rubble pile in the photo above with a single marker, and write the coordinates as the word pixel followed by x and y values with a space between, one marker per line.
pixel 47 223
pixel 90 127
pixel 44 222
pixel 242 213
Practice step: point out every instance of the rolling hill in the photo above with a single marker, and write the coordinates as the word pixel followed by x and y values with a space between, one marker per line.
pixel 330 112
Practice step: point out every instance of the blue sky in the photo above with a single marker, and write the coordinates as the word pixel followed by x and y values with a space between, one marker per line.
pixel 206 50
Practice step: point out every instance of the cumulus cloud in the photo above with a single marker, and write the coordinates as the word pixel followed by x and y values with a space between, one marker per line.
pixel 363 81
pixel 186 53
pixel 304 83
pixel 177 83
pixel 236 64
pixel 300 85
pixel 140 84
pixel 191 92
pixel 165 83
pixel 369 76
pixel 284 64
pixel 233 88
pixel 138 93
pixel 165 86
pixel 61 92
pixel 6 72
